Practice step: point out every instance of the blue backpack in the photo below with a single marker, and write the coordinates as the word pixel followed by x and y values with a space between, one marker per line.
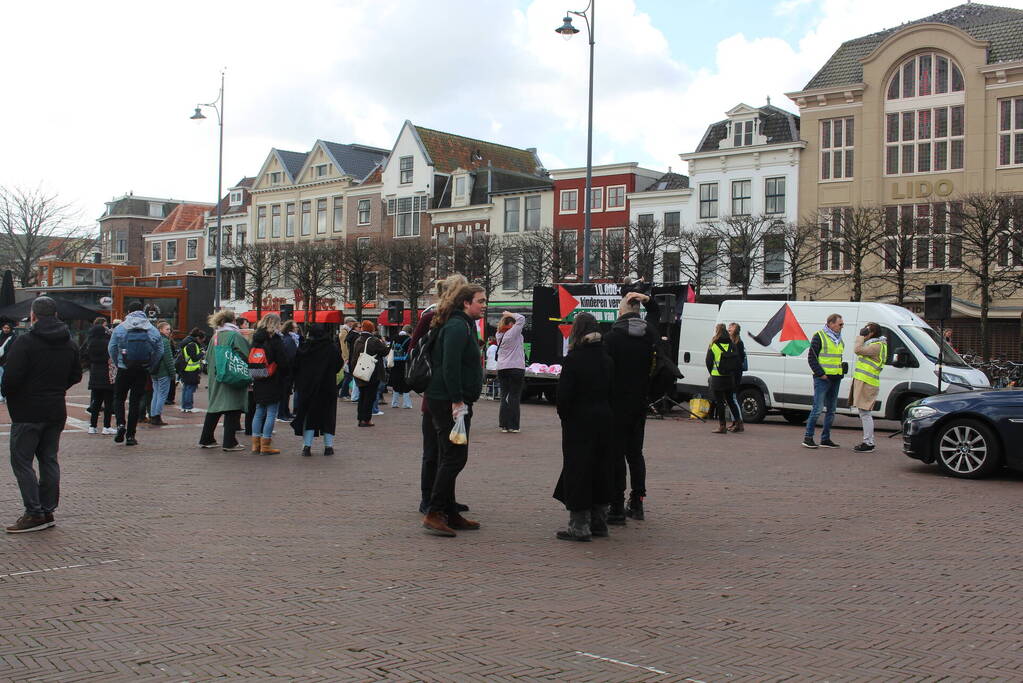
pixel 137 351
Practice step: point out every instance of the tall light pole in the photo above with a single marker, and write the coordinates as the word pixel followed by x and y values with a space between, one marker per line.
pixel 216 105
pixel 567 30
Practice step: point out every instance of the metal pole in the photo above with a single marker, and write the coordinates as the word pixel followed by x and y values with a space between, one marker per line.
pixel 220 178
pixel 589 154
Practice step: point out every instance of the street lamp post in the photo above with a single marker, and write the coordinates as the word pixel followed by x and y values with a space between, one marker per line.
pixel 567 30
pixel 216 105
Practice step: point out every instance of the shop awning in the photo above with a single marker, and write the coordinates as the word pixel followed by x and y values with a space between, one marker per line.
pixel 335 317
pixel 406 318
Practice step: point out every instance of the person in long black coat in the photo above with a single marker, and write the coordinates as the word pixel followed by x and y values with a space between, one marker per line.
pixel 101 376
pixel 316 366
pixel 584 406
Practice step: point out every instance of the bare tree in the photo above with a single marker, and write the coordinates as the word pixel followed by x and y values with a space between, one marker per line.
pixel 310 266
pixel 261 264
pixel 848 240
pixel 484 259
pixel 699 257
pixel 899 271
pixel 801 248
pixel 411 264
pixel 743 238
pixel 33 224
pixel 357 260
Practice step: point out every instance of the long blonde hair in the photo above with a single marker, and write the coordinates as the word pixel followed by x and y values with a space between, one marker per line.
pixel 270 322
pixel 454 300
pixel 719 330
pixel 221 318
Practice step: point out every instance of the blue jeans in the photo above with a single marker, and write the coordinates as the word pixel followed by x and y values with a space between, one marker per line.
pixel 187 392
pixel 399 399
pixel 161 387
pixel 1 380
pixel 825 397
pixel 263 419
pixel 307 438
pixel 380 394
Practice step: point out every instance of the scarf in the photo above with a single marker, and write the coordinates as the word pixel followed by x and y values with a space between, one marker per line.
pixel 835 336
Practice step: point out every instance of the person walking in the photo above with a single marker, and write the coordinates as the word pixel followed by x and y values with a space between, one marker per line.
pixel 584 406
pixel 871 349
pixel 345 339
pixel 101 377
pixel 511 369
pixel 41 366
pixel 825 361
pixel 316 367
pixel 289 342
pixel 372 345
pixel 6 339
pixel 735 342
pixel 225 400
pixel 189 363
pixel 631 343
pixel 455 384
pixel 267 391
pixel 721 363
pixel 163 375
pixel 402 396
pixel 135 346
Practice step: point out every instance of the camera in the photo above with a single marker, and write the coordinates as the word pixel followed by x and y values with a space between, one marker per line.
pixel 865 332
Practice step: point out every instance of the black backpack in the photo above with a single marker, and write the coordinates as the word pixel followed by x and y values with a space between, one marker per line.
pixel 419 366
pixel 730 362
pixel 137 351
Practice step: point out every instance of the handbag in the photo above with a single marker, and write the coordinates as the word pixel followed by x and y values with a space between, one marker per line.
pixel 231 369
pixel 389 359
pixel 365 367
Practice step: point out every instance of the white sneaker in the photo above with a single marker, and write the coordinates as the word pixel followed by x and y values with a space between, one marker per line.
pixel 109 431
pixel 93 430
pixel 379 412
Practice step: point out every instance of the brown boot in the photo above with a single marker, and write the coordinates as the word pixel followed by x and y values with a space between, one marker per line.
pixel 267 448
pixel 721 429
pixel 736 427
pixel 257 444
pixel 459 523
pixel 436 524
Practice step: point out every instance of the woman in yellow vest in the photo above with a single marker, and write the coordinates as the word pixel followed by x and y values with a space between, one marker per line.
pixel 871 351
pixel 719 355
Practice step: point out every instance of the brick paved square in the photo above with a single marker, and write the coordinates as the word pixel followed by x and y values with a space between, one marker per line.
pixel 759 560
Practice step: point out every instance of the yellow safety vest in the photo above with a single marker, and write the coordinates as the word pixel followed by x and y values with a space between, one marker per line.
pixel 717 349
pixel 830 356
pixel 190 364
pixel 869 370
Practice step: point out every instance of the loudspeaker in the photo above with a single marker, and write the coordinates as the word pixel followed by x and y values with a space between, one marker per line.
pixel 287 312
pixel 937 302
pixel 395 311
pixel 667 303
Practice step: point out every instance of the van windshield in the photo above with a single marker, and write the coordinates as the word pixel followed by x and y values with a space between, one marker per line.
pixel 927 341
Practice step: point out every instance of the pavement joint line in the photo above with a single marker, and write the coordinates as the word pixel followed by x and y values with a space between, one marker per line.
pixel 635 666
pixel 54 569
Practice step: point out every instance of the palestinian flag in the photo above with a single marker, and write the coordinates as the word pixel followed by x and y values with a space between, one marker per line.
pixel 783 333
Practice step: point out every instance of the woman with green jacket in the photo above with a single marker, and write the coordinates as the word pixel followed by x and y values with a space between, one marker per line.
pixel 224 399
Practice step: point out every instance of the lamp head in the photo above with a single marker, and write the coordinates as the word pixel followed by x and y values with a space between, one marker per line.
pixel 567 30
pixel 198 115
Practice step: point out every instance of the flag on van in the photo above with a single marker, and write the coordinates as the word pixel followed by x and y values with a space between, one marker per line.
pixel 783 333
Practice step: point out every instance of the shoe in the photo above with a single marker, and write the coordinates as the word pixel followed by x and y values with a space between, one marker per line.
pixel 503 430
pixel 436 524
pixel 267 447
pixel 578 527
pixel 736 427
pixel 211 444
pixel 328 450
pixel 635 507
pixel 828 443
pixel 168 403
pixel 460 523
pixel 721 429
pixel 808 442
pixel 156 421
pixel 107 431
pixel 367 423
pixel 28 523
pixel 257 443
pixel 49 519
pixel 424 506
pixel 144 419
pixel 119 434
pixel 864 448
pixel 379 412
pixel 93 430
pixel 616 514
pixel 514 431
pixel 130 441
pixel 459 507
pixel 235 448
pixel 598 521
pixel 408 407
pixel 307 451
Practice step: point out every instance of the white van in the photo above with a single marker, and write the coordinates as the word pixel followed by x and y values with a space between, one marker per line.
pixel 774 381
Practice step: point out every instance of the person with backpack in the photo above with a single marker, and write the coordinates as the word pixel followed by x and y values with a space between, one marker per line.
pixel 316 367
pixel 189 366
pixel 735 335
pixel 722 364
pixel 402 396
pixel 135 347
pixel 375 348
pixel 228 390
pixel 162 376
pixel 268 365
pixel 289 342
pixel 101 377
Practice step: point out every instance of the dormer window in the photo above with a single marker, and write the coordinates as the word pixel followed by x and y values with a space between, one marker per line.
pixel 156 209
pixel 236 198
pixel 405 170
pixel 460 186
pixel 322 171
pixel 742 133
pixel 275 178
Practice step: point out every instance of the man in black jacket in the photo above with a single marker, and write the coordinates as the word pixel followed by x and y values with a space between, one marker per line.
pixel 631 343
pixel 41 366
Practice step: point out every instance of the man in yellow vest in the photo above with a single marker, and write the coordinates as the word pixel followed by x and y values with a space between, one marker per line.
pixel 871 351
pixel 825 360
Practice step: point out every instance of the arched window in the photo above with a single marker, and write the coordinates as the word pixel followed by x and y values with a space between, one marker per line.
pixel 924 116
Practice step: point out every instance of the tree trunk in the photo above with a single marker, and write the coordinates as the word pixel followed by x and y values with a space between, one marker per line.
pixel 259 304
pixel 413 315
pixel 985 333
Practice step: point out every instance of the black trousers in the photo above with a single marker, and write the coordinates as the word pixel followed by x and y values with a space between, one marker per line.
pixel 129 384
pixel 101 400
pixel 172 393
pixel 451 458
pixel 31 441
pixel 232 423
pixel 250 412
pixel 428 472
pixel 629 431
pixel 511 397
pixel 367 396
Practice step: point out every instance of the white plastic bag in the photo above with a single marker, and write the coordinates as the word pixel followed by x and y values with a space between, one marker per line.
pixel 458 435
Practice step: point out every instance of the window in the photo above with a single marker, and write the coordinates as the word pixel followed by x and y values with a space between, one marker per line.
pixel 742 133
pixel 596 199
pixel 235 198
pixel 596 250
pixel 240 231
pixel 923 236
pixel 672 223
pixel 774 257
pixel 156 209
pixel 645 224
pixel 192 248
pixel 568 243
pixel 569 201
pixel 289 224
pixel 156 251
pixel 339 214
pixel 261 222
pixel 275 220
pixel 407 215
pixel 774 195
pixel 832 247
pixel 532 213
pixel 322 171
pixel 671 267
pixel 511 214
pixel 615 258
pixel 307 218
pixel 709 200
pixel 836 149
pixel 394 277
pixel 121 242
pixel 363 212
pixel 708 247
pixel 275 178
pixel 616 197
pixel 460 186
pixel 321 216
pixel 1010 233
pixel 227 239
pixel 924 140
pixel 239 284
pixel 211 242
pixel 742 197
pixel 405 170
pixel 443 254
pixel 1010 132
pixel 923 75
pixel 369 289
pixel 172 250
pixel 510 270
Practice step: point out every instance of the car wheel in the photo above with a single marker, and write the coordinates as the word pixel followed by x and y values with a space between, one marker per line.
pixel 967 449
pixel 795 417
pixel 752 405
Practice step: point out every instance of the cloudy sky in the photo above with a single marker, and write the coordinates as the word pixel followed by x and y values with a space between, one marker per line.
pixel 98 94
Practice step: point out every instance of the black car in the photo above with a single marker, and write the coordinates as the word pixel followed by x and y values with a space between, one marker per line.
pixel 970 434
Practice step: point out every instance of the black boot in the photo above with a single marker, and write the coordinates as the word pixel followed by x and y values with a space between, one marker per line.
pixel 598 521
pixel 616 513
pixel 307 451
pixel 635 507
pixel 578 526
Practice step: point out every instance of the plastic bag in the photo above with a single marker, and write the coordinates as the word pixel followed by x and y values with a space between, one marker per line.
pixel 458 435
pixel 699 407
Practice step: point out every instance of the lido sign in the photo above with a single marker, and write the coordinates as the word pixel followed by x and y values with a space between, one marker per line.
pixel 921 189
